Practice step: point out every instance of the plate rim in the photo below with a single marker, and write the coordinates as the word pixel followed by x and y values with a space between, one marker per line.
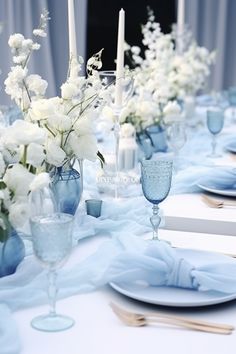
pixel 208 302
pixel 224 192
pixel 228 148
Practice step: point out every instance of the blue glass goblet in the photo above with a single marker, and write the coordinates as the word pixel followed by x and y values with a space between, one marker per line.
pixel 215 123
pixel 156 182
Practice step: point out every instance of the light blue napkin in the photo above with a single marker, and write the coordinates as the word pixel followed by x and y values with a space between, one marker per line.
pixel 220 178
pixel 133 259
pixel 187 181
pixel 9 340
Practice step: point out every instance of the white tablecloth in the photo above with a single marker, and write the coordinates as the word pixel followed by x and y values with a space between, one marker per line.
pixel 98 331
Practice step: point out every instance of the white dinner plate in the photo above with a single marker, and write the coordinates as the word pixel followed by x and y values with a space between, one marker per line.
pixel 178 297
pixel 231 147
pixel 226 192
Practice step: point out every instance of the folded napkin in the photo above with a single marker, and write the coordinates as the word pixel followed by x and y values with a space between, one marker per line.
pixel 219 177
pixel 9 340
pixel 187 181
pixel 133 259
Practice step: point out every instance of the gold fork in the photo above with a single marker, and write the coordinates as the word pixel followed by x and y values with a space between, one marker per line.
pixel 216 203
pixel 143 319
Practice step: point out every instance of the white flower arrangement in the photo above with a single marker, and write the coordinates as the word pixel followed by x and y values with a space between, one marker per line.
pixel 21 170
pixel 163 77
pixel 22 87
pixel 68 121
pixel 54 131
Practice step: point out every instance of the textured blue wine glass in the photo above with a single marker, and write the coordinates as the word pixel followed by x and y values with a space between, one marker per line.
pixel 52 244
pixel 156 182
pixel 215 123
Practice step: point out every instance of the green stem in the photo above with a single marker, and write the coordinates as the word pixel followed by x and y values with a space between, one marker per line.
pixel 47 127
pixel 24 156
pixel 27 91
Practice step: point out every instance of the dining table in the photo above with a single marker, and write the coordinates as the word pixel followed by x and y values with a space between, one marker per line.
pixel 188 224
pixel 97 330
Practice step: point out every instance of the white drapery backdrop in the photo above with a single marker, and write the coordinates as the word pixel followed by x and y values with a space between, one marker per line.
pixel 212 22
pixel 214 26
pixel 51 61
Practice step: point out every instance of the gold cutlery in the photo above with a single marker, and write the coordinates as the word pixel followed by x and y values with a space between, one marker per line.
pixel 144 319
pixel 217 203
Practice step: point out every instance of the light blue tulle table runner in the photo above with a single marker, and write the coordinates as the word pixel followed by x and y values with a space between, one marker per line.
pixel 122 258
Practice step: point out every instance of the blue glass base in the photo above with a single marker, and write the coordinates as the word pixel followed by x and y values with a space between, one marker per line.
pixel 49 323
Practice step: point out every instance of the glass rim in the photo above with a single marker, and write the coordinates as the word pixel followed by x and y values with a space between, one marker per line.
pixel 93 200
pixel 67 217
pixel 164 160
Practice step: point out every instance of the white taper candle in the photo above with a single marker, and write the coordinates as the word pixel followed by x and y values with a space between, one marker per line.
pixel 120 59
pixel 181 16
pixel 71 29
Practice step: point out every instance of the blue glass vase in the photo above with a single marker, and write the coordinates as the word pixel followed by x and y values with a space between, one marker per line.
pixel 157 134
pixel 12 252
pixel 67 189
pixel 145 145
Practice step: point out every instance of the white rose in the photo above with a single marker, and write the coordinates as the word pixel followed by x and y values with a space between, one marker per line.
pixel 145 108
pixel 59 122
pixel 84 147
pixel 35 154
pixel 40 181
pixel 15 40
pixel 172 107
pixel 17 73
pixel 44 108
pixel 19 59
pixel 54 154
pixel 36 84
pixel 83 126
pixel 27 44
pixel 68 91
pixel 23 132
pixel 19 213
pixel 18 179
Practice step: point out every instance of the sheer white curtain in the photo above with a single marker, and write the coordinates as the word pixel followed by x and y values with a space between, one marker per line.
pixel 51 61
pixel 213 23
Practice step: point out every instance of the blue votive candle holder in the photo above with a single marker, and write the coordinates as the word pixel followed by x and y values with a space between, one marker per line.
pixel 93 207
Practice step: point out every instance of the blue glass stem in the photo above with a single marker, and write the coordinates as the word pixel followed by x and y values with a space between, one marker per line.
pixel 155 220
pixel 213 145
pixel 52 291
